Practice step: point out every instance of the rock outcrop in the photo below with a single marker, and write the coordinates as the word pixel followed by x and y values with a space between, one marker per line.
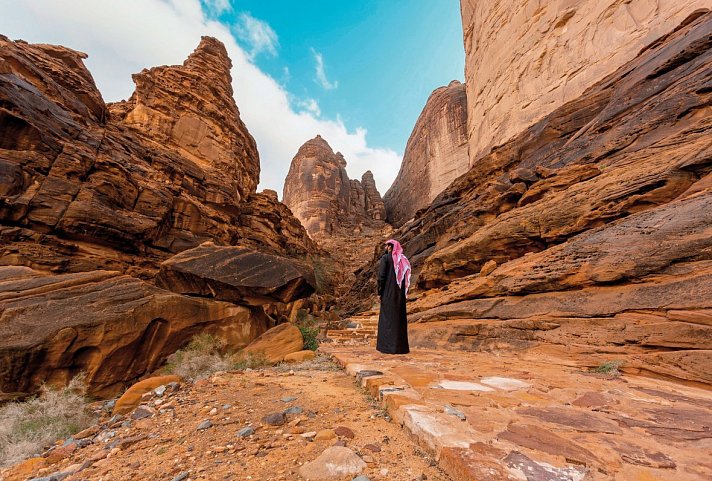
pixel 589 229
pixel 113 327
pixel 321 195
pixel 236 274
pixel 435 155
pixel 525 59
pixel 123 187
pixel 101 195
pixel 344 216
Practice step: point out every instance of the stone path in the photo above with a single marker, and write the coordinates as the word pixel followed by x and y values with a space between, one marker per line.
pixel 360 329
pixel 535 416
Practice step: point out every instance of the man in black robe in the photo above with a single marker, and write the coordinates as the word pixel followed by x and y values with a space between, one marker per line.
pixel 393 282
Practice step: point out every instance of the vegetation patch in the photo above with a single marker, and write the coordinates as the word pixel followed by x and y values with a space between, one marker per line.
pixel 309 327
pixel 610 368
pixel 29 427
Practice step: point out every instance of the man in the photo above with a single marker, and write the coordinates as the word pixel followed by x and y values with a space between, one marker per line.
pixel 393 284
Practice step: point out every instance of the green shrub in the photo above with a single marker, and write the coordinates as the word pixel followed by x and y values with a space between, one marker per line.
pixel 199 359
pixel 28 427
pixel 309 328
pixel 609 367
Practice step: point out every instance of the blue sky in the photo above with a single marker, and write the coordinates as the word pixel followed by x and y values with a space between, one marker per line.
pixel 356 72
pixel 385 57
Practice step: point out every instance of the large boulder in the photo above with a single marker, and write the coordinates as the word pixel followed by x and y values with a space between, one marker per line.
pixel 275 344
pixel 112 327
pixel 236 274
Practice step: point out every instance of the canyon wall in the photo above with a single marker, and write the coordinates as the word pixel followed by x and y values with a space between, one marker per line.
pixel 526 58
pixel 435 155
pixel 96 198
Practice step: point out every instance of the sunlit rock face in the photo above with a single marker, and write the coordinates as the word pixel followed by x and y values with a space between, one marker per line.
pixel 435 155
pixel 344 216
pixel 590 229
pixel 321 195
pixel 526 58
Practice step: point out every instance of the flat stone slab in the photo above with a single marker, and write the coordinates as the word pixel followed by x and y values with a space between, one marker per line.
pixel 236 274
pixel 537 415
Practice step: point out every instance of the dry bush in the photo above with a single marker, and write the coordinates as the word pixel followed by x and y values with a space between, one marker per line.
pixel 28 427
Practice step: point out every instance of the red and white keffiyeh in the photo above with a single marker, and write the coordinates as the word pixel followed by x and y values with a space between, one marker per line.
pixel 400 264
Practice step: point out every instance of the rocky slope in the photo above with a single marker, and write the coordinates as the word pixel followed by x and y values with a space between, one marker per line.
pixel 344 216
pixel 99 196
pixel 526 58
pixel 435 155
pixel 590 228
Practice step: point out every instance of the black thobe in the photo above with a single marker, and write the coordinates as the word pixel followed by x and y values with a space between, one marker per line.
pixel 392 322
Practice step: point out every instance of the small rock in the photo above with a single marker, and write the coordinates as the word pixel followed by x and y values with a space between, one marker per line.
pixel 455 412
pixel 334 463
pixel 344 432
pixel 368 459
pixel 141 413
pixel 373 448
pixel 384 471
pixel 226 406
pixel 294 410
pixel 204 425
pixel 361 477
pixel 109 405
pixel 115 419
pixel 181 476
pixel 213 411
pixel 352 325
pixel 308 435
pixel 325 435
pixel 173 386
pixel 488 267
pixel 288 399
pixel 274 419
pixel 160 391
pixel 340 442
pixel 244 432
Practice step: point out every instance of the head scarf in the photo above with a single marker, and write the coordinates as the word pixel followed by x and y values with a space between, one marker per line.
pixel 400 264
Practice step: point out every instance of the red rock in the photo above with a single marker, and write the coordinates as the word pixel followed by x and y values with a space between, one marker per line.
pixel 344 432
pixel 236 274
pixel 435 155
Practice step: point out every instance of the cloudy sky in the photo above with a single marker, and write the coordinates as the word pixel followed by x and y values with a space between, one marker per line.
pixel 356 72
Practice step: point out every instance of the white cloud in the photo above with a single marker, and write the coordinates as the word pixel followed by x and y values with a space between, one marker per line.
pixel 257 34
pixel 321 72
pixel 214 8
pixel 307 105
pixel 124 37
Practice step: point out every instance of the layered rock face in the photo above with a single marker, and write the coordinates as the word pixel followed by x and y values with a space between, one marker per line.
pixel 110 326
pixel 344 216
pixel 172 167
pixel 525 59
pixel 590 229
pixel 435 155
pixel 321 195
pixel 101 195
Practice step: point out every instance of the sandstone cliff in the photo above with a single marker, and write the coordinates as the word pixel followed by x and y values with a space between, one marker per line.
pixel 344 216
pixel 435 155
pixel 589 229
pixel 526 58
pixel 100 195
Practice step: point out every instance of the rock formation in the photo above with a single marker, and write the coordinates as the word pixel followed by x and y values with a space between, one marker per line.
pixel 91 192
pixel 321 195
pixel 113 327
pixel 344 216
pixel 525 59
pixel 435 155
pixel 590 229
pixel 236 274
pixel 86 186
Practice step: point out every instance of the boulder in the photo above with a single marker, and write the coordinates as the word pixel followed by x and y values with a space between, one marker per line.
pixel 110 326
pixel 236 274
pixel 277 343
pixel 300 356
pixel 132 397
